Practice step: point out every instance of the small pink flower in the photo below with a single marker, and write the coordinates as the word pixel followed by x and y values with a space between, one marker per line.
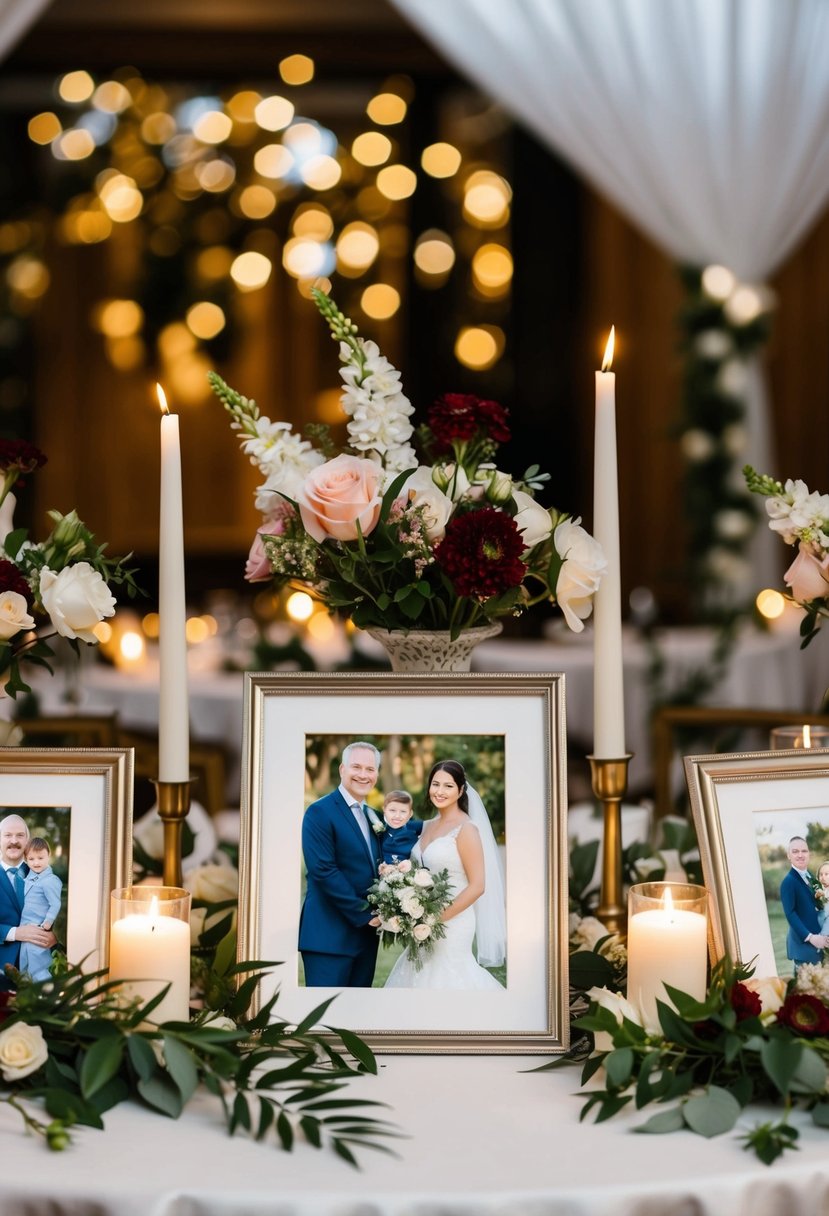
pixel 404 866
pixel 339 495
pixel 258 568
pixel 808 577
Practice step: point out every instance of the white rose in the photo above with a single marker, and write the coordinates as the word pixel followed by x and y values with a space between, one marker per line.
pixel 412 906
pixel 619 1006
pixel 580 575
pixel 589 931
pixel 22 1051
pixel 419 490
pixel 532 520
pixel 771 990
pixel 76 600
pixel 14 615
pixel 421 932
pixel 392 924
pixel 422 878
pixel 212 883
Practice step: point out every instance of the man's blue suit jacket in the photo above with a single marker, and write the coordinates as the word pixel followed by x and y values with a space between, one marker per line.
pixel 11 909
pixel 802 915
pixel 340 868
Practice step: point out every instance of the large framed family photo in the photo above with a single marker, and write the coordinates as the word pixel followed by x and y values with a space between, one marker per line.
pixel 762 821
pixel 66 837
pixel 404 850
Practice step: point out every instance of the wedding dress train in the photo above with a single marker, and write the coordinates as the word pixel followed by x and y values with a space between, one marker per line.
pixel 451 963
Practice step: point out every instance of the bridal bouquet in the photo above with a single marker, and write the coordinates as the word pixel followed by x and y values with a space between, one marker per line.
pixel 409 900
pixel 801 517
pixel 444 541
pixel 62 582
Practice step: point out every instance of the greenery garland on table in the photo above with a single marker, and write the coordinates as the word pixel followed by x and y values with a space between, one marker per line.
pixel 73 1046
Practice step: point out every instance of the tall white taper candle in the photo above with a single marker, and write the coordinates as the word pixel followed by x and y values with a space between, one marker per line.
pixel 608 689
pixel 173 714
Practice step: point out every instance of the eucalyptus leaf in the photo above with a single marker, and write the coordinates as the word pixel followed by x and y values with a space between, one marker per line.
pixel 665 1121
pixel 781 1057
pixel 712 1113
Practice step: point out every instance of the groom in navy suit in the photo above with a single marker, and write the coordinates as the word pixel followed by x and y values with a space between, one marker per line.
pixel 804 942
pixel 337 937
pixel 14 836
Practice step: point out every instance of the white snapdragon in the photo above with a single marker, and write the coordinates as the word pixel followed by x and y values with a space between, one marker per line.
pixel 377 408
pixel 283 457
pixel 796 511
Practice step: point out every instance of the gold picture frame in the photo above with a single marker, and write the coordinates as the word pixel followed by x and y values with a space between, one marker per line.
pixel 746 807
pixel 89 791
pixel 522 716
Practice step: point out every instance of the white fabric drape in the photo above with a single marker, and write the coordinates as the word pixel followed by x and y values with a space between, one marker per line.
pixel 705 121
pixel 15 18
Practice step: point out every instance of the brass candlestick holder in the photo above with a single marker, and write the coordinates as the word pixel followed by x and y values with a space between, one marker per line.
pixel 173 805
pixel 609 779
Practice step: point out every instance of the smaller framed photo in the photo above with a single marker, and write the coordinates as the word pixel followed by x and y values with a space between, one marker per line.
pixel 66 833
pixel 368 799
pixel 762 821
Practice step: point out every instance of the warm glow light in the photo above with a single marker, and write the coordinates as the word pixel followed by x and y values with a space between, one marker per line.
pixel 434 253
pixel 396 182
pixel 126 354
pixel 486 199
pixel 213 127
pixel 302 257
pixel 216 175
pixel 358 245
pixel 380 301
pixel 371 148
pixel 274 160
pixel 111 97
pixel 321 627
pixel 608 350
pixel 296 69
pixel 299 606
pixel 158 128
pixel 770 604
pixel 257 202
pixel 314 222
pixel 479 346
pixel 131 646
pixel 118 318
pixel 668 903
pixel 744 305
pixel 242 105
pixel 807 735
pixel 150 624
pixel 251 270
pixel 121 199
pixel 205 320
pixel 386 109
pixel 492 268
pixel 76 87
pixel 440 160
pixel 214 263
pixel 76 144
pixel 28 276
pixel 196 630
pixel 162 399
pixel 718 282
pixel 103 631
pixel 274 113
pixel 45 127
pixel 320 172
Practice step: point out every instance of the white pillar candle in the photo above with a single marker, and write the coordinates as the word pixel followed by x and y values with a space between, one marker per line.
pixel 149 951
pixel 173 705
pixel 666 945
pixel 608 689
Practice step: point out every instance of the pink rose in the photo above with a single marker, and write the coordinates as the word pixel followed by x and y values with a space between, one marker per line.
pixel 807 577
pixel 404 866
pixel 339 495
pixel 258 568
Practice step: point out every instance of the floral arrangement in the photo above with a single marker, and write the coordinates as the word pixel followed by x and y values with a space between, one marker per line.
pixel 446 544
pixel 64 579
pixel 801 517
pixel 750 1040
pixel 74 1048
pixel 409 900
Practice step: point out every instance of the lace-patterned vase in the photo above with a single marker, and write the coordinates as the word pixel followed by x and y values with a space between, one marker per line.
pixel 432 649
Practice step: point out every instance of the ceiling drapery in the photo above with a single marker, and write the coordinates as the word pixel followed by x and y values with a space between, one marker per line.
pixel 705 121
pixel 15 18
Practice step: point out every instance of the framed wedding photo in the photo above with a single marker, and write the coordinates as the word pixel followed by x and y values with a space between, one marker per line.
pixel 762 821
pixel 77 806
pixel 344 775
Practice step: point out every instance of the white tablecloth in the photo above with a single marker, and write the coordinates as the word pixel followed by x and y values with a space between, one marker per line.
pixel 485 1138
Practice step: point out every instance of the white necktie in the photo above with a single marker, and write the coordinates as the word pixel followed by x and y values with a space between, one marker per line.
pixel 362 822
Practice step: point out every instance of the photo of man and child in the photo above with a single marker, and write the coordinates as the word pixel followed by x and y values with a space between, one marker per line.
pixel 354 836
pixel 794 860
pixel 33 854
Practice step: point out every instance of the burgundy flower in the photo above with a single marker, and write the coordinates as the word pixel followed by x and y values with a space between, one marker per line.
pixel 12 580
pixel 804 1014
pixel 481 553
pixel 5 997
pixel 19 454
pixel 457 417
pixel 745 1003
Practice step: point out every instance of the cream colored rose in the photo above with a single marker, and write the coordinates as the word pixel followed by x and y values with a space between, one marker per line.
pixel 340 495
pixel 411 905
pixel 807 578
pixel 580 575
pixel 22 1051
pixel 771 990
pixel 589 931
pixel 419 490
pixel 404 866
pixel 422 878
pixel 14 615
pixel 421 932
pixel 532 520
pixel 213 883
pixel 392 924
pixel 76 599
pixel 619 1006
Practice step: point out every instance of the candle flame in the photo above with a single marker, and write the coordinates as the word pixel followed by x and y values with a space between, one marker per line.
pixel 668 903
pixel 608 350
pixel 154 906
pixel 162 399
pixel 807 736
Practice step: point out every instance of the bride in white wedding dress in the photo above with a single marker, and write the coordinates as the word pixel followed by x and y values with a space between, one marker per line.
pixel 459 839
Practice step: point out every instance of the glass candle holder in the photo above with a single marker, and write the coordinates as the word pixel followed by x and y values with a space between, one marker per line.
pixel 799 736
pixel 667 944
pixel 149 947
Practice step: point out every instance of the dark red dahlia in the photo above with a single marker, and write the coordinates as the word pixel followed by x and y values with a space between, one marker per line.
pixel 457 417
pixel 745 1003
pixel 12 580
pixel 804 1014
pixel 481 553
pixel 19 454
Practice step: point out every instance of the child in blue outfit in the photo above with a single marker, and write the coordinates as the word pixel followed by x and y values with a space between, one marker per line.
pixel 401 831
pixel 41 904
